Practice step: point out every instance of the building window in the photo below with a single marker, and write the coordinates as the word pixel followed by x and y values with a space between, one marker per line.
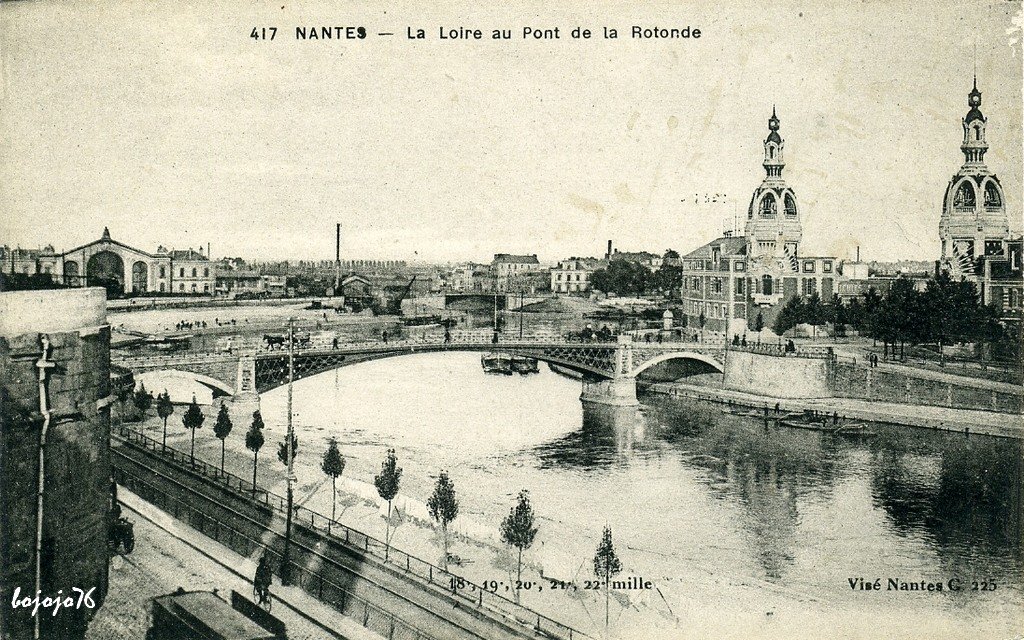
pixel 182 272
pixel 716 285
pixel 810 286
pixel 161 287
pixel 768 206
pixel 162 273
pixel 206 273
pixel 739 285
pixel 739 266
pixel 181 287
pixel 206 288
pixel 766 285
pixel 193 272
pixel 808 266
pixel 826 267
pixel 193 287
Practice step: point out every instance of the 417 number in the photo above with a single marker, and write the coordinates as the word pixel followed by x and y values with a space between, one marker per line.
pixel 263 33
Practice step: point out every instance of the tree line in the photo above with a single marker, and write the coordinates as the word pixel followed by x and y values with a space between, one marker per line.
pixel 518 529
pixel 624 277
pixel 943 313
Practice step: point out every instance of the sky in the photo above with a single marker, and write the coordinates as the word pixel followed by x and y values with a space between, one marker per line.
pixel 169 124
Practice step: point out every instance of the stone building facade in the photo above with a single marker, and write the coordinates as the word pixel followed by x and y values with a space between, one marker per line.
pixel 64 334
pixel 732 280
pixel 119 267
pixel 974 227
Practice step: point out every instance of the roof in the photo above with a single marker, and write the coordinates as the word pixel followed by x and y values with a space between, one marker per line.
pixel 775 137
pixel 238 274
pixel 974 114
pixel 516 259
pixel 186 254
pixel 206 611
pixel 731 246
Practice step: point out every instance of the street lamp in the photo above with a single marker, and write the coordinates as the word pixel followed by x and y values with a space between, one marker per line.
pixel 286 568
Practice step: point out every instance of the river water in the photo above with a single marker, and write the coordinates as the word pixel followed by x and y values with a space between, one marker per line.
pixel 743 530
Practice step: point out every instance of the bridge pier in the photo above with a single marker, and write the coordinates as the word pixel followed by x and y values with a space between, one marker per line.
pixel 616 392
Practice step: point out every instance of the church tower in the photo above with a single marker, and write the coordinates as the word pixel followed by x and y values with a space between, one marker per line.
pixel 773 227
pixel 973 222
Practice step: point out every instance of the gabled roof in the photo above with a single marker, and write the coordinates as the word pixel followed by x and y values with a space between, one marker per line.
pixel 727 246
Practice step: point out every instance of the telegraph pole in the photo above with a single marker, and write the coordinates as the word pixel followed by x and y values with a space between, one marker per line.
pixel 286 569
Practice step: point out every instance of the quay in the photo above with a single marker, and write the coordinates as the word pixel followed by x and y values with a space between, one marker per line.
pixel 967 421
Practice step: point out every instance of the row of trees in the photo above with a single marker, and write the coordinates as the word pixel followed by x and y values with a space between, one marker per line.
pixel 945 312
pixel 518 529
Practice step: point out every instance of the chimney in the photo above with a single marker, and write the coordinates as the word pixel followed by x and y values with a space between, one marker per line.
pixel 858 253
pixel 209 256
pixel 608 255
pixel 337 243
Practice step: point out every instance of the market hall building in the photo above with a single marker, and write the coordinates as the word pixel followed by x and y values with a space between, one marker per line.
pixel 122 268
pixel 730 281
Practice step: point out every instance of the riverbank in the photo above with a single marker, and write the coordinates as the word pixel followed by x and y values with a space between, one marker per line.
pixel 1003 425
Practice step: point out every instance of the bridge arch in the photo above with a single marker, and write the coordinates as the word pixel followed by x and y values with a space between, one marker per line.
pixel 679 355
pixel 271 370
pixel 217 387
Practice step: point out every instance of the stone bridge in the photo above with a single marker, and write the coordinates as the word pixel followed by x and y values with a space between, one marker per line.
pixel 609 368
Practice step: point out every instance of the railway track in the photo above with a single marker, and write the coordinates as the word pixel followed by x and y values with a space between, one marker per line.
pixel 437 614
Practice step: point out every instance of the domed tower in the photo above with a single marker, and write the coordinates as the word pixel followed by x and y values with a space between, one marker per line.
pixel 974 221
pixel 773 227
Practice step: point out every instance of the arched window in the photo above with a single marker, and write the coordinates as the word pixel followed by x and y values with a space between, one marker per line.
pixel 964 195
pixel 206 273
pixel 162 272
pixel 992 196
pixel 193 272
pixel 766 285
pixel 977 132
pixel 790 206
pixel 768 206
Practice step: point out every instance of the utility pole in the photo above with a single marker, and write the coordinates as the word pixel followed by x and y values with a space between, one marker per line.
pixel 337 259
pixel 520 313
pixel 286 569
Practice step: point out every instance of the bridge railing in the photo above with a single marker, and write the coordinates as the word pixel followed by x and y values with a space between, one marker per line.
pixel 458 586
pixel 803 351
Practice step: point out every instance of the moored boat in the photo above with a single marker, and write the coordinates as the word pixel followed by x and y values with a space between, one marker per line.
pixel 499 363
pixel 524 365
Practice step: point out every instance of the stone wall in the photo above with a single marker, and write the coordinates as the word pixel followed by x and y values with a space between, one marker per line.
pixel 77 468
pixel 777 376
pixel 852 381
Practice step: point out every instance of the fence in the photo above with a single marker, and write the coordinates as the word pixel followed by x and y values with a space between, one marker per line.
pixel 313 582
pixel 510 611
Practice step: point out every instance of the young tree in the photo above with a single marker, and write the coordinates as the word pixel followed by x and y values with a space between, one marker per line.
pixel 333 465
pixel 254 442
pixel 164 409
pixel 387 483
pixel 142 399
pixel 606 565
pixel 517 530
pixel 702 320
pixel 221 429
pixel 444 508
pixel 282 449
pixel 759 324
pixel 193 419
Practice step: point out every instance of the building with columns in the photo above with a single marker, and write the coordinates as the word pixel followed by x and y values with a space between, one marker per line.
pixel 120 267
pixel 728 282
pixel 974 227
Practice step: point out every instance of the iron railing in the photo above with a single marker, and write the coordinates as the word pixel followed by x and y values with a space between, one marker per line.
pixel 460 587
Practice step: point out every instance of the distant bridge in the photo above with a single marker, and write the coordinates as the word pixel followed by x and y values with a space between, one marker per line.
pixel 262 370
